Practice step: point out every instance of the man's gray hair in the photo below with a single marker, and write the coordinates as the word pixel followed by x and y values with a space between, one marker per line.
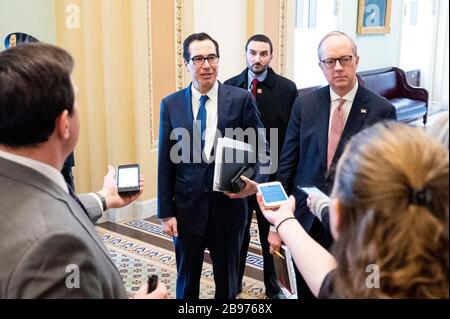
pixel 337 33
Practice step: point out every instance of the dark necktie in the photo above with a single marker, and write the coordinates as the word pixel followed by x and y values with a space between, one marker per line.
pixel 201 117
pixel 254 86
pixel 75 197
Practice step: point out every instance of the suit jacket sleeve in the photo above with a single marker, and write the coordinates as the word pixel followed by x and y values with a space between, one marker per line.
pixel 252 119
pixel 166 169
pixel 290 153
pixel 392 114
pixel 94 210
pixel 53 266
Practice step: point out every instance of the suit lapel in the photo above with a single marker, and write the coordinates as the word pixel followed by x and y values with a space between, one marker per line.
pixel 223 108
pixel 187 113
pixel 242 80
pixel 323 122
pixel 33 178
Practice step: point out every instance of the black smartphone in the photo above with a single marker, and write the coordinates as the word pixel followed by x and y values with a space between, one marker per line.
pixel 152 282
pixel 237 184
pixel 128 178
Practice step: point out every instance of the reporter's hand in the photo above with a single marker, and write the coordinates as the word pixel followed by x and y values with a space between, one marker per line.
pixel 275 215
pixel 249 189
pixel 169 226
pixel 274 242
pixel 111 194
pixel 160 292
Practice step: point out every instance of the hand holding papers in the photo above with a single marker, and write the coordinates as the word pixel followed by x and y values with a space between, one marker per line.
pixel 231 157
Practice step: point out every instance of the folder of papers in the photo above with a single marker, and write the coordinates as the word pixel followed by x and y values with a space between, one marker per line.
pixel 284 270
pixel 230 157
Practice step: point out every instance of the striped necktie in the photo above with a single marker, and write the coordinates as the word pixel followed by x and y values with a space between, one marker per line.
pixel 336 128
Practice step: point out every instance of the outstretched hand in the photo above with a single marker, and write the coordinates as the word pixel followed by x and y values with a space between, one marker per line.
pixel 249 189
pixel 111 194
pixel 275 215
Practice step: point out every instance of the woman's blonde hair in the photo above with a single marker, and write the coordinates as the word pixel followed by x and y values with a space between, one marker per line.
pixel 392 182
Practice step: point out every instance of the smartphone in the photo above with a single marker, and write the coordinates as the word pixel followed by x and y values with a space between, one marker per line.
pixel 152 282
pixel 312 190
pixel 237 184
pixel 128 178
pixel 273 194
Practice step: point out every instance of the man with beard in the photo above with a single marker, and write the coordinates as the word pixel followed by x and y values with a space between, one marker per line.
pixel 274 96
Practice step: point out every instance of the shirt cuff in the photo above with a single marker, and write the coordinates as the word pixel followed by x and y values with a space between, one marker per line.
pixel 99 201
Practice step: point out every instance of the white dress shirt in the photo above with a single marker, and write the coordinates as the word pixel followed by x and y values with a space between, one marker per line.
pixel 260 77
pixel 347 106
pixel 211 114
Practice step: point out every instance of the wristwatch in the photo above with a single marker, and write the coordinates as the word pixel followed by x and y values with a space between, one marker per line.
pixel 103 200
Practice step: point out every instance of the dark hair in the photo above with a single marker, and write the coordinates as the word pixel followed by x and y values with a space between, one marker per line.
pixel 35 88
pixel 197 37
pixel 260 38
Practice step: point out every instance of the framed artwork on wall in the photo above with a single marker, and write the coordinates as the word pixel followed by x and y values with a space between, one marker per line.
pixel 374 16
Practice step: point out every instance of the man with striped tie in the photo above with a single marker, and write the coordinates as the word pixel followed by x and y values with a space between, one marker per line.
pixel 320 125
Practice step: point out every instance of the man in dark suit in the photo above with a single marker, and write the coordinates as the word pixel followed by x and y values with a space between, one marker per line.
pixel 321 123
pixel 191 212
pixel 274 96
pixel 50 248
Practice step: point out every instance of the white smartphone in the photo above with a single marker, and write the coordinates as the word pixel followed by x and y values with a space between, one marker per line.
pixel 273 194
pixel 312 190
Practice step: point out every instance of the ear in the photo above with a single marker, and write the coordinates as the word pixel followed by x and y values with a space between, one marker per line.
pixel 320 65
pixel 62 125
pixel 335 217
pixel 357 60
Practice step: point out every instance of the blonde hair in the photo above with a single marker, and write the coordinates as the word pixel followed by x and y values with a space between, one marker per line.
pixel 385 222
pixel 439 129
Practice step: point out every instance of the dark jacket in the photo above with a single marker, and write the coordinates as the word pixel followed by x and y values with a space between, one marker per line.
pixel 275 100
pixel 304 157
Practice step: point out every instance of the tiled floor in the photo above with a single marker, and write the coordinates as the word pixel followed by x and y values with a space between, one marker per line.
pixel 140 248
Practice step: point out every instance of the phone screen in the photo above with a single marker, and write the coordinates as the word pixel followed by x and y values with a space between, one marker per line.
pixel 312 190
pixel 128 177
pixel 273 193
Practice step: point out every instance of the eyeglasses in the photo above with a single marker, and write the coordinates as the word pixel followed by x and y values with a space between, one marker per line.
pixel 199 59
pixel 343 61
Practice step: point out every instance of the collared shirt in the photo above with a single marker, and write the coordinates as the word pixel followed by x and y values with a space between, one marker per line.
pixel 44 169
pixel 349 98
pixel 260 77
pixel 211 114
